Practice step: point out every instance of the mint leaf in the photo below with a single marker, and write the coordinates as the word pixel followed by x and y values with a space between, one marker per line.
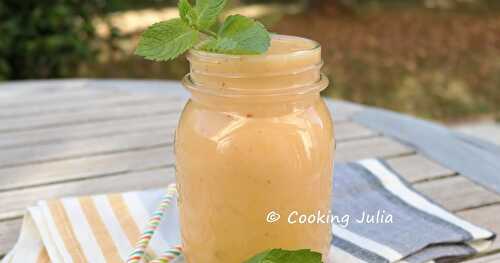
pixel 207 12
pixel 186 12
pixel 239 35
pixel 284 256
pixel 166 40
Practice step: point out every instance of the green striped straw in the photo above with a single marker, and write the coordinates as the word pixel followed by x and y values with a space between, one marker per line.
pixel 169 255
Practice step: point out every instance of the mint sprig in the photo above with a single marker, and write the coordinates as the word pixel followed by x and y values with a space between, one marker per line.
pixel 187 12
pixel 286 256
pixel 238 35
pixel 207 12
pixel 166 40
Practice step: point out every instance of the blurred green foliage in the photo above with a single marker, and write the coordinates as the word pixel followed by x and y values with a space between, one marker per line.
pixel 42 39
pixel 54 38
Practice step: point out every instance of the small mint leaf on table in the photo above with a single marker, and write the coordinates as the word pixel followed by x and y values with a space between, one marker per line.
pixel 166 40
pixel 285 256
pixel 187 12
pixel 239 35
pixel 207 12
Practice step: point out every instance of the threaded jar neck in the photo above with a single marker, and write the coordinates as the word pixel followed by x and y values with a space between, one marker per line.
pixel 292 66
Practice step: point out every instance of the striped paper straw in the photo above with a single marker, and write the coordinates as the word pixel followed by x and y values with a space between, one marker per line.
pixel 169 255
pixel 138 253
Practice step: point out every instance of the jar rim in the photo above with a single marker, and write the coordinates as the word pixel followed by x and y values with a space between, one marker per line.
pixel 207 56
pixel 317 86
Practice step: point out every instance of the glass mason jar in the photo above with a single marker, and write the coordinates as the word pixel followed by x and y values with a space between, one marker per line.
pixel 255 140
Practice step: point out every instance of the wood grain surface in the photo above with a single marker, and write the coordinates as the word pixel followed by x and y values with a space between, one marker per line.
pixel 80 137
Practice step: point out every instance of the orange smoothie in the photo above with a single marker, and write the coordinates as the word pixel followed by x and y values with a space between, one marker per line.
pixel 255 137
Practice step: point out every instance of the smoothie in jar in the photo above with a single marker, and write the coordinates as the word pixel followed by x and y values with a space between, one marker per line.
pixel 255 139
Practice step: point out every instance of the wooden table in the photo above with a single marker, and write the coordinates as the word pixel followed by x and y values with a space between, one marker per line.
pixel 80 137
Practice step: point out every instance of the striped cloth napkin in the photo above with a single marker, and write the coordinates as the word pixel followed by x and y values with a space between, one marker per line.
pixel 402 226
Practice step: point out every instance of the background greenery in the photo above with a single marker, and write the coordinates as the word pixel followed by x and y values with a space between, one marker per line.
pixel 46 39
pixel 433 58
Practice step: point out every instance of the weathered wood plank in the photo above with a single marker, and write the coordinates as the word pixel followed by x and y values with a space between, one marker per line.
pixel 60 134
pixel 344 131
pixel 439 144
pixel 351 130
pixel 14 202
pixel 17 200
pixel 128 141
pixel 67 116
pixel 457 193
pixel 85 168
pixel 342 110
pixel 9 233
pixel 350 150
pixel 417 168
pixel 106 101
pixel 369 148
pixel 139 86
pixel 16 93
pixel 35 86
pixel 86 147
pixel 488 217
pixel 90 166
pixel 51 97
pixel 93 115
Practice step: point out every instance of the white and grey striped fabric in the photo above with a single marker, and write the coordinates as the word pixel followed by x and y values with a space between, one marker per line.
pixel 104 228
pixel 421 231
